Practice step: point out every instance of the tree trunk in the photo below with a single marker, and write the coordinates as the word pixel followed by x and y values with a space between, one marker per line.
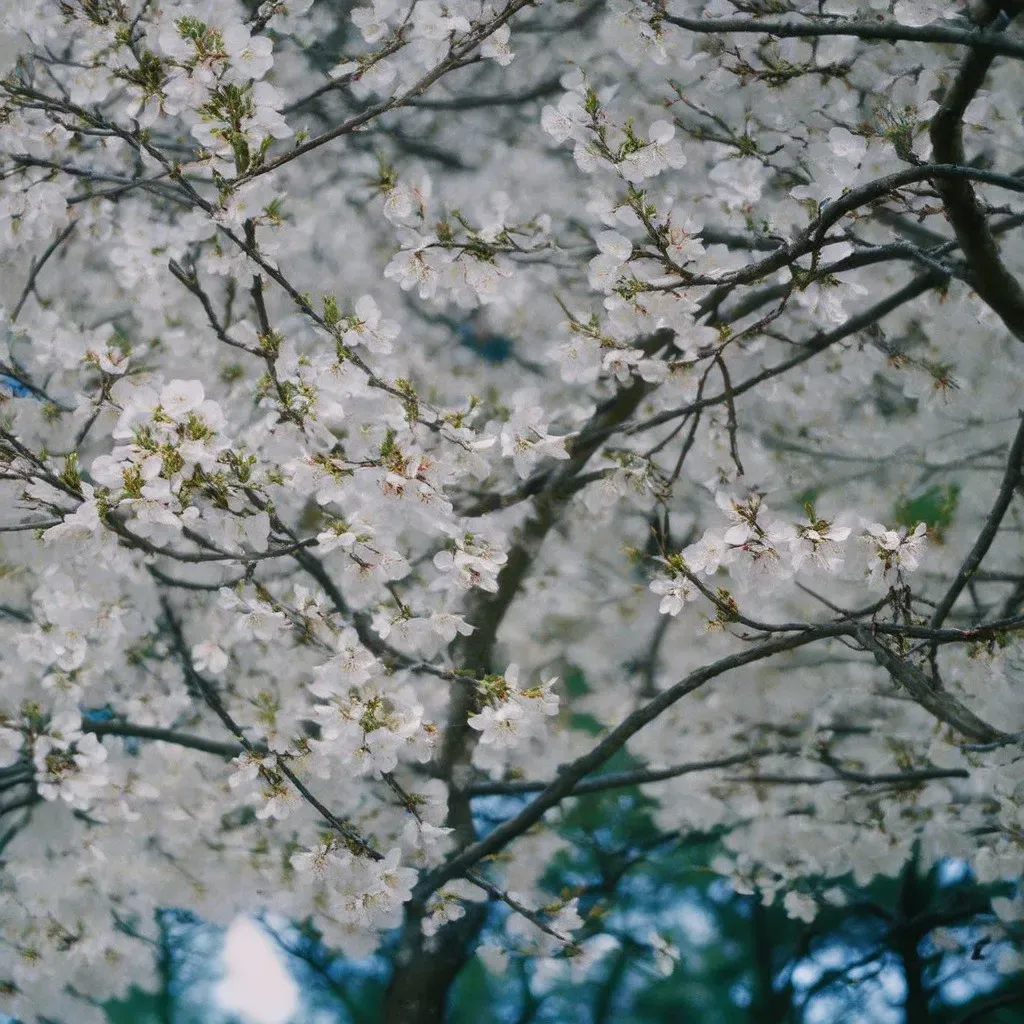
pixel 906 943
pixel 767 1006
pixel 425 969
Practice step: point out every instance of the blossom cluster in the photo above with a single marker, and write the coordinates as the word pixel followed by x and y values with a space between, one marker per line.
pixel 761 551
pixel 510 715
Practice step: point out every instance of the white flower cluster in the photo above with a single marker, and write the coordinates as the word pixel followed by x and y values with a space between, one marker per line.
pixel 893 552
pixel 510 715
pixel 451 259
pixel 582 116
pixel 366 726
pixel 69 765
pixel 356 891
pixel 176 441
pixel 449 904
pixel 759 551
pixel 213 79
pixel 524 437
pixel 475 562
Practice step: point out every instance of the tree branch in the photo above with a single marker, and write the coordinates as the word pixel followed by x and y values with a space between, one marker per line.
pixel 150 732
pixel 216 704
pixel 989 276
pixel 620 780
pixel 563 786
pixel 990 43
pixel 943 705
pixel 456 58
pixel 1011 480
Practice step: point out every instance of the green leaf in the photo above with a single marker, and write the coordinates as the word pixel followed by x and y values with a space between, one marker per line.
pixel 935 507
pixel 139 1008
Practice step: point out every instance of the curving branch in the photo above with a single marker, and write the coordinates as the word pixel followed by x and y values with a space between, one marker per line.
pixel 209 692
pixel 621 780
pixel 1010 483
pixel 943 705
pixel 988 274
pixel 458 56
pixel 37 265
pixel 908 778
pixel 810 348
pixel 151 732
pixel 990 43
pixel 28 527
pixel 573 773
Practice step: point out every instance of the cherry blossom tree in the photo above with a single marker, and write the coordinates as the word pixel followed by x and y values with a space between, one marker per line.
pixel 293 573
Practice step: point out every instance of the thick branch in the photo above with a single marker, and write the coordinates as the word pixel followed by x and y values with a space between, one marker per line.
pixel 502 99
pixel 645 776
pixel 943 705
pixel 149 732
pixel 619 780
pixel 989 276
pixel 566 782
